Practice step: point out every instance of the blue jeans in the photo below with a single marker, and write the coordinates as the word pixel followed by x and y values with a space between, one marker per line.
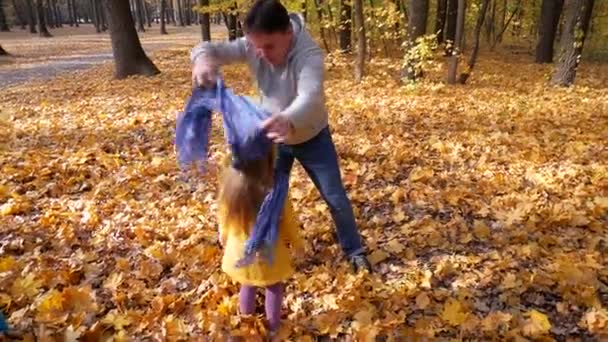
pixel 319 158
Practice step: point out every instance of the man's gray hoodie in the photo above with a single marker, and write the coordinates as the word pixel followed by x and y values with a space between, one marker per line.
pixel 294 89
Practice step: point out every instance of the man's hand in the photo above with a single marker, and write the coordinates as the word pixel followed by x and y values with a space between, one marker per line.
pixel 204 72
pixel 277 128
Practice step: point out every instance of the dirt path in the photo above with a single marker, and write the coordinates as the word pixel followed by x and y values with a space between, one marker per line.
pixel 73 49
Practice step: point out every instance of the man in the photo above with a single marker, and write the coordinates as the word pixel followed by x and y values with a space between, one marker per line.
pixel 289 68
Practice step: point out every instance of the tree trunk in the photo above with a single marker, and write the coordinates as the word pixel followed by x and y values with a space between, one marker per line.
pixel 361 41
pixel 163 16
pixel 180 17
pixel 171 12
pixel 95 16
pixel 187 11
pixel 549 18
pixel 50 20
pixel 205 22
pixel 418 14
pixel 129 56
pixel 140 15
pixel 442 7
pixel 480 17
pixel 489 24
pixel 304 10
pixel 42 29
pixel 230 20
pixel 345 26
pixel 76 15
pixel 102 16
pixel 578 17
pixel 2 51
pixel 31 16
pixel 147 13
pixel 3 23
pixel 453 63
pixel 320 17
pixel 70 13
pixel 450 29
pixel 57 12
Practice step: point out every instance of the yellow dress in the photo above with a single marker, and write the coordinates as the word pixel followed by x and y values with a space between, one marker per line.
pixel 259 273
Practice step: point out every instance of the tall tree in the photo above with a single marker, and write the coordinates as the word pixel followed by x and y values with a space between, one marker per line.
pixel 3 22
pixel 163 16
pixel 453 62
pixel 42 29
pixel 57 14
pixel 187 12
pixel 76 15
pixel 129 56
pixel 31 16
pixel 204 21
pixel 139 12
pixel 442 11
pixel 95 15
pixel 18 9
pixel 147 13
pixel 450 28
pixel 70 13
pixel 480 18
pixel 180 17
pixel 345 26
pixel 320 16
pixel 578 17
pixel 549 18
pixel 361 41
pixel 417 20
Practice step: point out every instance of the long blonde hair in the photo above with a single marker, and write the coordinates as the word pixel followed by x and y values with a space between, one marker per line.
pixel 242 191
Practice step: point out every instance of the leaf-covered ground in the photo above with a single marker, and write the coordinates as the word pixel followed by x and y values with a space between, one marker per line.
pixel 484 208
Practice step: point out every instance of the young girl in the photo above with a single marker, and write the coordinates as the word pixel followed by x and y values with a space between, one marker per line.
pixel 241 194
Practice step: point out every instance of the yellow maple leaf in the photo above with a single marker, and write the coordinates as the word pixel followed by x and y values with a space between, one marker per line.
pixel 27 286
pixel 537 324
pixel 480 229
pixel 51 307
pixel 378 256
pixel 453 312
pixel 117 320
pixel 7 263
pixel 174 328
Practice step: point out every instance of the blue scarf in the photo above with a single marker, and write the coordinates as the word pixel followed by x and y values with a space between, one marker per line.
pixel 242 120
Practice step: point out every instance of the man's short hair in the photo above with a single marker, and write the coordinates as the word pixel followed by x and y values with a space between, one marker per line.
pixel 267 16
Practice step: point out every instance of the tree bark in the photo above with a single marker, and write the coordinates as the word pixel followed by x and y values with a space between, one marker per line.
pixel 418 14
pixel 345 27
pixel 578 17
pixel 70 13
pixel 3 23
pixel 140 16
pixel 95 15
pixel 187 11
pixel 231 24
pixel 453 62
pixel 50 20
pixel 205 22
pixel 320 17
pixel 31 16
pixel 442 7
pixel 549 18
pixel 42 29
pixel 147 13
pixel 450 29
pixel 180 17
pixel 76 15
pixel 129 56
pixel 163 16
pixel 480 18
pixel 361 41
pixel 102 16
pixel 57 13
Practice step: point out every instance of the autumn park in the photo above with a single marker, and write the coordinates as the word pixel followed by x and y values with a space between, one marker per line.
pixel 472 142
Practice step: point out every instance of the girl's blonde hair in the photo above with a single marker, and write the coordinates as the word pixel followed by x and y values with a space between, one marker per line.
pixel 242 191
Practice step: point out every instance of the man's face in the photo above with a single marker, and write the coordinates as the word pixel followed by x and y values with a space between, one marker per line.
pixel 272 47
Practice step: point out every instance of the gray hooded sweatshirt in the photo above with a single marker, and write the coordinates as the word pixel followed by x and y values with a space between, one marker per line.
pixel 294 89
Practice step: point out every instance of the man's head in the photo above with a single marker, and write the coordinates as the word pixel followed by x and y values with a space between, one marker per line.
pixel 268 29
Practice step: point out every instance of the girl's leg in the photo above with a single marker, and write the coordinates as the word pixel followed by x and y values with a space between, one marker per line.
pixel 247 299
pixel 274 301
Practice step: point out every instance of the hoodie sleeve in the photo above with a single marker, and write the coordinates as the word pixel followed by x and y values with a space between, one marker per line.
pixel 221 52
pixel 310 93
